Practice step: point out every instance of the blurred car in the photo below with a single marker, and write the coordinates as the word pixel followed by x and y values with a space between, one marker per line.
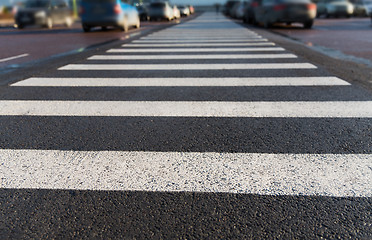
pixel 45 13
pixel 160 10
pixel 286 11
pixel 143 12
pixel 232 12
pixel 335 8
pixel 105 13
pixel 185 11
pixel 240 9
pixel 176 12
pixel 228 6
pixel 362 8
pixel 249 15
pixel 191 9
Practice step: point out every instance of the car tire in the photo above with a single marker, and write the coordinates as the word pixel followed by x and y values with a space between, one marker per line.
pixel 308 24
pixel 267 24
pixel 104 28
pixel 86 28
pixel 124 26
pixel 68 22
pixel 138 24
pixel 49 23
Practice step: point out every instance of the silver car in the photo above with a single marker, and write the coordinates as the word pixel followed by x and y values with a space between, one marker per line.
pixel 285 11
pixel 160 10
pixel 335 8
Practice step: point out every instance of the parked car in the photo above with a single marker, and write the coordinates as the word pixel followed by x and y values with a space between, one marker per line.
pixel 143 12
pixel 191 8
pixel 335 8
pixel 185 11
pixel 249 15
pixel 176 12
pixel 286 11
pixel 233 9
pixel 240 9
pixel 45 13
pixel 160 10
pixel 228 6
pixel 105 13
pixel 362 8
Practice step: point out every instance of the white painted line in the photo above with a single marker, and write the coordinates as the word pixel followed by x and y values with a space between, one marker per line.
pixel 199 41
pixel 200 44
pixel 204 39
pixel 341 109
pixel 332 175
pixel 169 67
pixel 14 57
pixel 172 50
pixel 209 56
pixel 181 82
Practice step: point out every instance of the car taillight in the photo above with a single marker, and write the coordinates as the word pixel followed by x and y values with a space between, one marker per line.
pixel 117 9
pixel 311 6
pixel 254 4
pixel 279 7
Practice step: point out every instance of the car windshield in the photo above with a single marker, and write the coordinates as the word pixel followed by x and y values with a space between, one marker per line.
pixel 157 5
pixel 99 1
pixel 37 4
pixel 294 1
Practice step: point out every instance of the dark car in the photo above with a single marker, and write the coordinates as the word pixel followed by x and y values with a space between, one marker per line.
pixel 228 6
pixel 105 13
pixel 286 11
pixel 44 13
pixel 249 15
pixel 143 12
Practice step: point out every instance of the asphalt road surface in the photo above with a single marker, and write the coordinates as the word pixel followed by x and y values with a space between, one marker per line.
pixel 349 38
pixel 204 130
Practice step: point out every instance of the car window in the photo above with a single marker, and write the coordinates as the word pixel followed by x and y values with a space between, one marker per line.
pixel 37 4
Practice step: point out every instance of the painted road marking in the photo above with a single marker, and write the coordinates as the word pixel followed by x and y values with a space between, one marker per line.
pixel 171 50
pixel 199 44
pixel 171 67
pixel 181 82
pixel 14 57
pixel 326 109
pixel 335 175
pixel 209 56
pixel 200 41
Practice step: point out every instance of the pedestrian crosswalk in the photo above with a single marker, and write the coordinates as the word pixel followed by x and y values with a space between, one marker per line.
pixel 169 141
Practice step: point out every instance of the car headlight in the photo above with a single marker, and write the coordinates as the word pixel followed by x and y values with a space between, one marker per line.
pixel 41 14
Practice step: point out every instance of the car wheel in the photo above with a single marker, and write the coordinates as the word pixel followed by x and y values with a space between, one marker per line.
pixel 308 24
pixel 104 28
pixel 124 27
pixel 20 26
pixel 138 23
pixel 267 24
pixel 49 23
pixel 86 28
pixel 68 21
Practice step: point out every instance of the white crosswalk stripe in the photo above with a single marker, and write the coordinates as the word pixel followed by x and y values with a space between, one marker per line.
pixel 181 82
pixel 188 109
pixel 199 44
pixel 169 67
pixel 294 174
pixel 310 174
pixel 209 56
pixel 167 50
